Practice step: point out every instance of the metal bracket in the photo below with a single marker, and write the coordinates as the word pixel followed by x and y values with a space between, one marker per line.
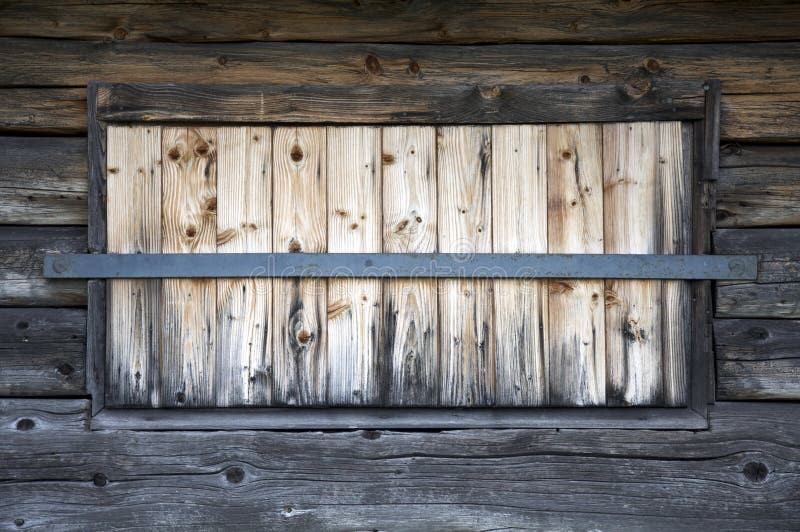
pixel 400 265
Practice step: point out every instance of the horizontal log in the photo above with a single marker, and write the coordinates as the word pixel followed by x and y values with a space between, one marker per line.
pixel 751 300
pixel 736 475
pixel 22 252
pixel 757 359
pixel 377 104
pixel 43 111
pixel 765 72
pixel 43 180
pixel 778 251
pixel 426 21
pixel 42 351
pixel 758 185
pixel 44 415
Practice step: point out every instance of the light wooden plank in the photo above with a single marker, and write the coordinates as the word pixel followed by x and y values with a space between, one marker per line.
pixel 133 226
pixel 354 225
pixel 632 224
pixel 519 225
pixel 673 181
pixel 300 361
pixel 576 327
pixel 242 370
pixel 467 373
pixel 189 207
pixel 410 308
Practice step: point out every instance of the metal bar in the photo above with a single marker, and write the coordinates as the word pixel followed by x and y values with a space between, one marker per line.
pixel 400 265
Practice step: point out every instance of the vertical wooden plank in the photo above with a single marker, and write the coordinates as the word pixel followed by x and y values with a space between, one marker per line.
pixel 354 225
pixel 242 370
pixel 410 309
pixel 134 226
pixel 673 195
pixel 300 226
pixel 465 305
pixel 575 218
pixel 519 225
pixel 189 207
pixel 632 224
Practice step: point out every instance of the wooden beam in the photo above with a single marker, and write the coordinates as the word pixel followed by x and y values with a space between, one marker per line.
pixel 422 21
pixel 751 300
pixel 43 416
pixel 757 359
pixel 43 111
pixel 42 351
pixel 343 479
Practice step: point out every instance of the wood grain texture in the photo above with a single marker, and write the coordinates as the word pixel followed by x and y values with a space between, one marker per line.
pixel 243 366
pixel 300 357
pixel 43 111
pixel 757 359
pixel 778 250
pixel 464 181
pixel 759 185
pixel 42 351
pixel 632 219
pixel 740 474
pixel 752 300
pixel 410 306
pixel 53 416
pixel 425 22
pixel 133 308
pixel 519 225
pixel 577 347
pixel 355 361
pixel 189 205
pixel 43 181
pixel 22 251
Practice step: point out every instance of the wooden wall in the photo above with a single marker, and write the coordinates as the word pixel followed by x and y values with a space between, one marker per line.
pixel 742 473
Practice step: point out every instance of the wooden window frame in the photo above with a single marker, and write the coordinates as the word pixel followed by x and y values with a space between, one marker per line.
pixel 694 102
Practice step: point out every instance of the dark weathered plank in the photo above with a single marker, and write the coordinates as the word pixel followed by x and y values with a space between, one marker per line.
pixel 53 416
pixel 741 474
pixel 778 250
pixel 21 254
pixel 43 180
pixel 43 111
pixel 42 351
pixel 757 359
pixel 777 117
pixel 377 104
pixel 757 74
pixel 759 185
pixel 751 300
pixel 426 21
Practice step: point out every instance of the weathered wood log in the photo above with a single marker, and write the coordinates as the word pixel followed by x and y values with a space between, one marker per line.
pixel 778 251
pixel 758 185
pixel 42 180
pixel 425 21
pixel 757 359
pixel 21 255
pixel 42 351
pixel 751 300
pixel 752 75
pixel 740 474
pixel 53 416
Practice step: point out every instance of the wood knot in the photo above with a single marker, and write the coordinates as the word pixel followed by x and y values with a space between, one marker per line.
pixel 413 67
pixel 341 212
pixel 201 148
pixel 490 92
pixel 19 522
pixel 561 287
pixel 211 205
pixel 120 34
pixel 585 79
pixel 296 154
pixel 234 475
pixel 566 154
pixel 191 231
pixel 180 397
pixel 65 369
pixel 373 65
pixel 303 337
pixel 22 325
pixel 113 170
pixel 295 246
pixel 353 226
pixel 401 226
pixel 755 471
pixel 222 60
pixel 418 219
pixel 652 65
pixel 100 479
pixel 370 434
pixel 758 333
pixel 25 424
pixel 387 158
pixel 174 153
pixel 638 88
pixel 225 236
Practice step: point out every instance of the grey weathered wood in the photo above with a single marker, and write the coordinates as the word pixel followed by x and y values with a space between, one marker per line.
pixel 757 359
pixel 377 104
pixel 426 21
pixel 53 416
pixel 42 351
pixel 759 185
pixel 21 254
pixel 43 111
pixel 778 250
pixel 751 300
pixel 740 474
pixel 43 180
pixel 711 123
pixel 96 344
